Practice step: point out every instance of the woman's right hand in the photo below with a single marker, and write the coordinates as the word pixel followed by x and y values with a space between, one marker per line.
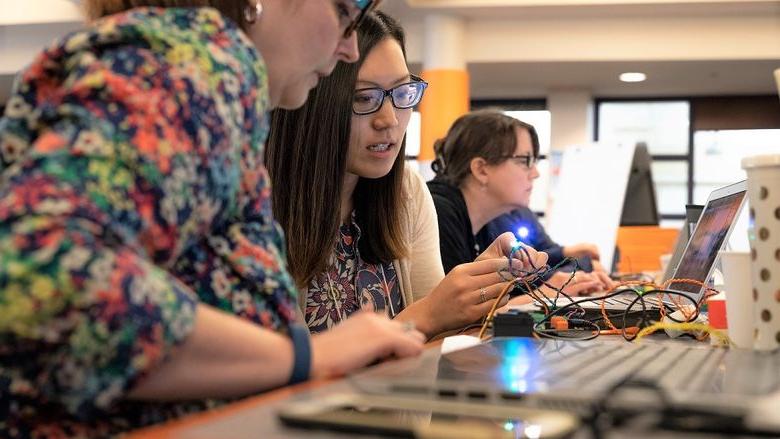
pixel 359 341
pixel 582 284
pixel 465 295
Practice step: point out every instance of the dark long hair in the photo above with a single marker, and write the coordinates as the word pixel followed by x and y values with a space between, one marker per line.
pixel 306 158
pixel 488 133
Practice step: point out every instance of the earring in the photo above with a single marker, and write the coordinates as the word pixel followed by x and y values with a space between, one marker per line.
pixel 253 13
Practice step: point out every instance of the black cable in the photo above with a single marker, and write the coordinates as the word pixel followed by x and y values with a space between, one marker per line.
pixel 577 303
pixel 556 334
pixel 695 303
pixel 573 308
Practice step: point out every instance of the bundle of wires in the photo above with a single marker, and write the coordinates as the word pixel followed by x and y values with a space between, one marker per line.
pixel 579 328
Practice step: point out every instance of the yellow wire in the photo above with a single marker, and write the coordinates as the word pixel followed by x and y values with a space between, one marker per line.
pixel 723 339
pixel 489 317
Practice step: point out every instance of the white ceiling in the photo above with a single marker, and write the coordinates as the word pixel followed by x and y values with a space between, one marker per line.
pixel 535 79
pixel 665 78
pixel 481 9
pixel 672 78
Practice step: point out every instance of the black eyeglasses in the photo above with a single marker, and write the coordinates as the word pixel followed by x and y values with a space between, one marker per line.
pixel 527 160
pixel 364 6
pixel 370 100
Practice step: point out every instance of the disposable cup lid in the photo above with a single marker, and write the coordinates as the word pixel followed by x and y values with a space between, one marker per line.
pixel 761 161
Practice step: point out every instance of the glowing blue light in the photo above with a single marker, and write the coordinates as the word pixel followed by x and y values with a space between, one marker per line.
pixel 533 431
pixel 519 355
pixel 509 426
pixel 523 232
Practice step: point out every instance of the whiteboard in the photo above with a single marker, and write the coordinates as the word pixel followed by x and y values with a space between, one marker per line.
pixel 588 197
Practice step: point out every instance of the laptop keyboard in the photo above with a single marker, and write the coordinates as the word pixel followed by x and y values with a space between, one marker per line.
pixel 688 369
pixel 577 372
pixel 616 301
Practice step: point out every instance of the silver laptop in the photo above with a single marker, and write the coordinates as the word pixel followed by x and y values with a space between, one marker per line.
pixel 697 262
pixel 729 390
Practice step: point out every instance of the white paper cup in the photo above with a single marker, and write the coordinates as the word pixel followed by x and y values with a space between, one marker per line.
pixel 739 297
pixel 764 193
pixel 664 259
pixel 777 80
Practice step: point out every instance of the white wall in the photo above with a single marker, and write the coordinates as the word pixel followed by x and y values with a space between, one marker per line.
pixel 572 117
pixel 527 30
pixel 618 39
pixel 26 27
pixel 15 12
pixel 20 43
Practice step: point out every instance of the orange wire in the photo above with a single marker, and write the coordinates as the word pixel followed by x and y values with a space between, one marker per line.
pixel 676 299
pixel 489 317
pixel 612 328
pixel 659 297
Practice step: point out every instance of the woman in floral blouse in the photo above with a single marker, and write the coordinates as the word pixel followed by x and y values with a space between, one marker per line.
pixel 380 249
pixel 142 275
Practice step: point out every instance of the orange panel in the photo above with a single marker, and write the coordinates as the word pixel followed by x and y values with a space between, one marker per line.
pixel 446 99
pixel 641 247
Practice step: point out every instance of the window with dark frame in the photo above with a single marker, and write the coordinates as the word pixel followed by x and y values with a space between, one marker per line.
pixel 704 114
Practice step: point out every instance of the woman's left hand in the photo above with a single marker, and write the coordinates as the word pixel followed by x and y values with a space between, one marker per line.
pixel 502 247
pixel 470 290
pixel 465 295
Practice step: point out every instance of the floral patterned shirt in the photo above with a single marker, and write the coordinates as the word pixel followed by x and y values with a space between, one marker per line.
pixel 131 188
pixel 351 284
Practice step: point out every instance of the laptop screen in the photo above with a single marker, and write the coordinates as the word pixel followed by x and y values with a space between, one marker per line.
pixel 711 231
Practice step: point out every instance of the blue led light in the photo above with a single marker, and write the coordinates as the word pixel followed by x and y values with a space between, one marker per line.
pixel 523 232
pixel 362 3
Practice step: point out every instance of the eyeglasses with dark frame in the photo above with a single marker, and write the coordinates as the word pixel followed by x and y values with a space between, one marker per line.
pixel 364 6
pixel 403 96
pixel 527 160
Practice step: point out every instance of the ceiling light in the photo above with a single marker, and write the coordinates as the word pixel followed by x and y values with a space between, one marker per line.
pixel 632 77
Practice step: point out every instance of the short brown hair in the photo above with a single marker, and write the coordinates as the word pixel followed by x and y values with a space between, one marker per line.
pixel 232 9
pixel 489 134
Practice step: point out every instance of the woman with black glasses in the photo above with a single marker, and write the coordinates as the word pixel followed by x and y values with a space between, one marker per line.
pixel 360 225
pixel 485 167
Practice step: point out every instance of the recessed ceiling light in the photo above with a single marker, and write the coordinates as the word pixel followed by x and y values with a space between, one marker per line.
pixel 632 77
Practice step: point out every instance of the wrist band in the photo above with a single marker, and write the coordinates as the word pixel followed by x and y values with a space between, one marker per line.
pixel 301 354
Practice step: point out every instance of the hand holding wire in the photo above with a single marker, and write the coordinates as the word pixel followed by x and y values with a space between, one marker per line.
pixel 572 312
pixel 464 296
pixel 507 246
